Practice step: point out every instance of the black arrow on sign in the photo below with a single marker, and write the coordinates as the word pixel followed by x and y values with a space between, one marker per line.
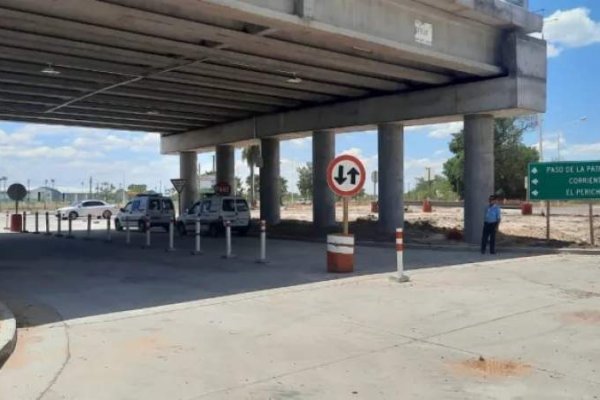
pixel 353 174
pixel 340 175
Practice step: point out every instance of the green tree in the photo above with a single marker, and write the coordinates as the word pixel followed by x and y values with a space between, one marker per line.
pixel 511 157
pixel 440 189
pixel 305 180
pixel 251 155
pixel 239 189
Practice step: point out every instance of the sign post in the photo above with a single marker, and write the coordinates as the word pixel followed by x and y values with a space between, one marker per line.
pixel 16 192
pixel 564 180
pixel 179 185
pixel 346 177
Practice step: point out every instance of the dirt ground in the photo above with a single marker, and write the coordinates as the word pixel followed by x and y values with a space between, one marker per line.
pixel 567 223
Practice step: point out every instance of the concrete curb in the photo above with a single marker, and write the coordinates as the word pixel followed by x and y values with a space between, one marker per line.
pixel 8 333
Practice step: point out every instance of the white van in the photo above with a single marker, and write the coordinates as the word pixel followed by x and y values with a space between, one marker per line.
pixel 157 208
pixel 213 212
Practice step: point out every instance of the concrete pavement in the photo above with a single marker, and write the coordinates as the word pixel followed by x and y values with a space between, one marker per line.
pixel 103 321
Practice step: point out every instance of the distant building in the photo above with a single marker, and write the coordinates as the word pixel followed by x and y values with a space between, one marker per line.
pixel 45 193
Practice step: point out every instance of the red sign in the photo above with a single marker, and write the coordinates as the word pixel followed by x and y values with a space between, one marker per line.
pixel 346 175
pixel 223 189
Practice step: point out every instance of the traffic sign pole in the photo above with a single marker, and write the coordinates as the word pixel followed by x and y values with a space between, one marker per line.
pixel 345 203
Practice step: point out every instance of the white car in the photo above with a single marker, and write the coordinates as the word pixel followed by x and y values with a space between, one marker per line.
pixel 213 212
pixel 155 208
pixel 81 209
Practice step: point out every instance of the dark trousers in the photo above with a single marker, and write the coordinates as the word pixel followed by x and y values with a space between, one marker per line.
pixel 489 233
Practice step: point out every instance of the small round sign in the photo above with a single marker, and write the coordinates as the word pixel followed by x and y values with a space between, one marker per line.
pixel 17 192
pixel 346 175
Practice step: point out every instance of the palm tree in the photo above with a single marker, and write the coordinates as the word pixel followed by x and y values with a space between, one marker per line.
pixel 251 155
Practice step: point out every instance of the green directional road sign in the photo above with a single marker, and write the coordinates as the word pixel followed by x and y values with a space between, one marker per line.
pixel 564 180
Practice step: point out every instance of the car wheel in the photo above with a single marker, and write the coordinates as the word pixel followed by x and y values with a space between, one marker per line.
pixel 118 225
pixel 73 215
pixel 142 225
pixel 106 214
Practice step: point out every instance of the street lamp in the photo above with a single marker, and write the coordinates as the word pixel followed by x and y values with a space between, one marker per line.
pixel 559 135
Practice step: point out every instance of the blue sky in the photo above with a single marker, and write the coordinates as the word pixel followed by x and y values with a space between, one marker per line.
pixel 71 155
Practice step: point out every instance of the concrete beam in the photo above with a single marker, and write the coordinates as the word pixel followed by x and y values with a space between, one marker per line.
pixel 225 155
pixel 391 177
pixel 501 95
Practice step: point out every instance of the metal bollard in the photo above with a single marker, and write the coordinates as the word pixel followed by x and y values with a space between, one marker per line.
pixel 7 227
pixel 88 235
pixel 400 277
pixel 24 227
pixel 37 223
pixel 58 229
pixel 108 234
pixel 127 232
pixel 47 224
pixel 171 236
pixel 263 243
pixel 228 253
pixel 70 228
pixel 198 249
pixel 148 238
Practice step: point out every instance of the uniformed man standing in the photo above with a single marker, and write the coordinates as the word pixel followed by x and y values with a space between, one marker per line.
pixel 490 225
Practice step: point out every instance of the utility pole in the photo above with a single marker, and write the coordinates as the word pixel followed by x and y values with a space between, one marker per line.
pixel 428 169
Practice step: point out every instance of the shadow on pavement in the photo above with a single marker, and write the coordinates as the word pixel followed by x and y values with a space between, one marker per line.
pixel 46 279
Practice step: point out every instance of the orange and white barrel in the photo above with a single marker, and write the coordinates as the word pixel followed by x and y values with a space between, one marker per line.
pixel 340 253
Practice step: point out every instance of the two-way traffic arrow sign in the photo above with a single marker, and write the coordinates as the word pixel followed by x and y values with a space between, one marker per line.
pixel 346 175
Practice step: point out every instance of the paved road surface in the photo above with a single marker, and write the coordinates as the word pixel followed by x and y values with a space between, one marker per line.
pixel 107 321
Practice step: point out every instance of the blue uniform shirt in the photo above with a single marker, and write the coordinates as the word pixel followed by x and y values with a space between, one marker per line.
pixel 492 214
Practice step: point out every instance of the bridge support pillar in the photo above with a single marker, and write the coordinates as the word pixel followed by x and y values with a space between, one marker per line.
pixel 323 150
pixel 270 192
pixel 391 177
pixel 478 172
pixel 226 165
pixel 188 161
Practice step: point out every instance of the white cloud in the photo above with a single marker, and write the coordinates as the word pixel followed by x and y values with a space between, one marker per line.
pixel 573 28
pixel 438 131
pixel 301 142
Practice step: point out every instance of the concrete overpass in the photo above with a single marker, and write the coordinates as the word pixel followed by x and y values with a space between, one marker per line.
pixel 219 73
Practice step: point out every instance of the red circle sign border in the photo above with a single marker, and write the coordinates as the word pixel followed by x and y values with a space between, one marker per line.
pixel 361 182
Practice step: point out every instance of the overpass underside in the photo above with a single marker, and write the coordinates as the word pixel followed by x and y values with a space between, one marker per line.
pixel 206 73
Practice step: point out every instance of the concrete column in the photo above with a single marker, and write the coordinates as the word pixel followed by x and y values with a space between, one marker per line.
pixel 478 172
pixel 226 165
pixel 188 170
pixel 391 177
pixel 323 150
pixel 269 182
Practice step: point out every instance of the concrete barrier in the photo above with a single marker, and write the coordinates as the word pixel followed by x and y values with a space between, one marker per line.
pixel 7 226
pixel 70 228
pixel 88 235
pixel 108 232
pixel 340 253
pixel 148 243
pixel 8 333
pixel 16 223
pixel 59 227
pixel 24 227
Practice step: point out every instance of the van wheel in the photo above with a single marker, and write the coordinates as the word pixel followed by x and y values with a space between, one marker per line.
pixel 213 230
pixel 118 225
pixel 142 226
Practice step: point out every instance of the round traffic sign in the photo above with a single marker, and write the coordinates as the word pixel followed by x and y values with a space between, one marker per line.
pixel 17 192
pixel 346 175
